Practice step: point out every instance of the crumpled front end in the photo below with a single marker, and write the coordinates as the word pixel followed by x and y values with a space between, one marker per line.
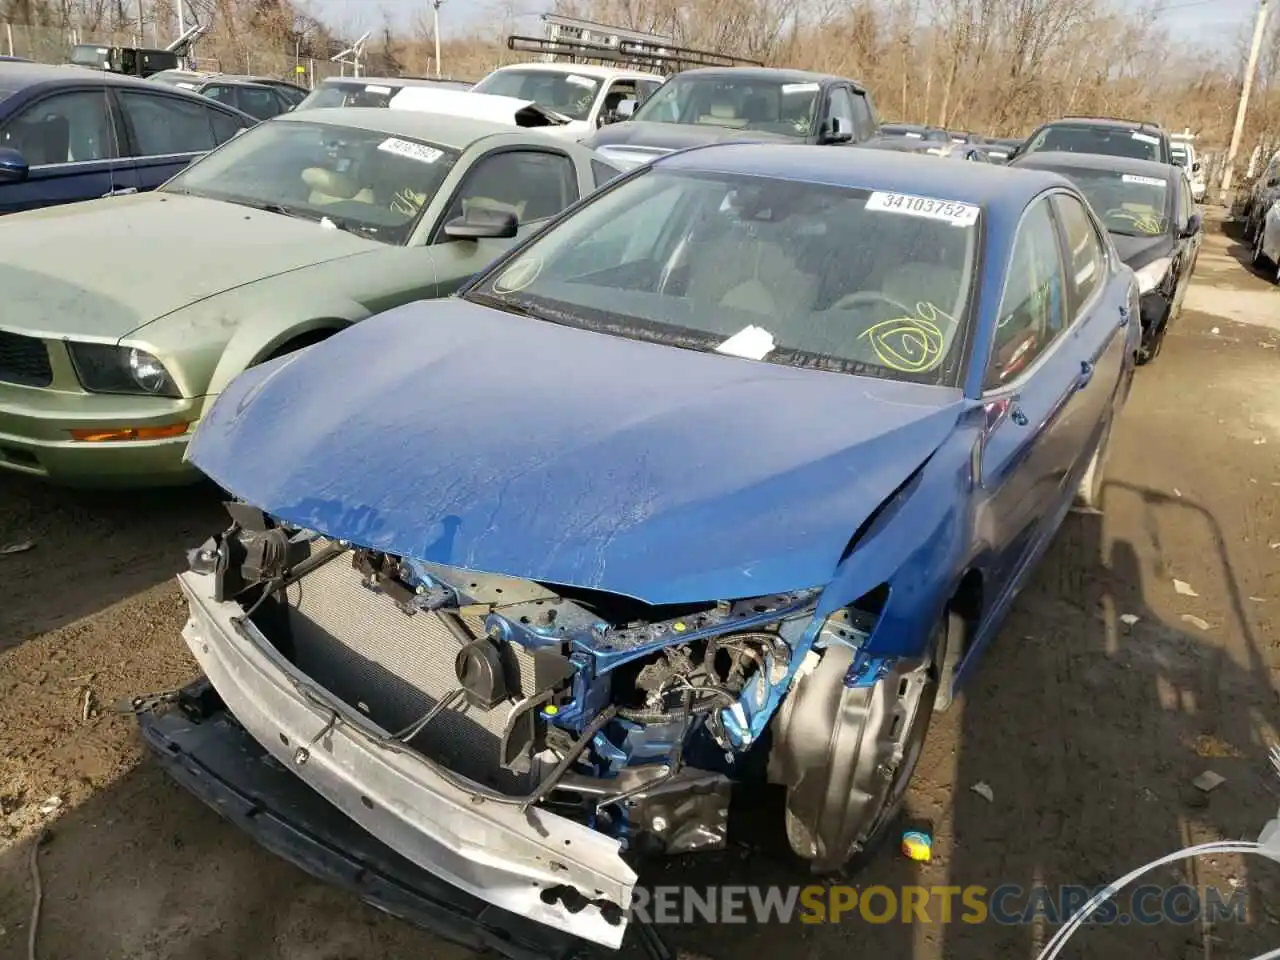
pixel 510 737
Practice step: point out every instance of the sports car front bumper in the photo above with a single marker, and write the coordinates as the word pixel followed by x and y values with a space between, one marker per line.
pixel 210 754
pixel 534 865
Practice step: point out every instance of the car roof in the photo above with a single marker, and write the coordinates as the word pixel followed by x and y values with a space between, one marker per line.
pixel 29 74
pixel 455 132
pixel 1061 160
pixel 385 81
pixel 1116 122
pixel 584 69
pixel 777 74
pixel 986 185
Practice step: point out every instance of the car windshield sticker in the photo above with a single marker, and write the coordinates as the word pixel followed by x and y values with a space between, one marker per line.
pixel 407 148
pixel 788 88
pixel 578 81
pixel 751 342
pixel 1145 181
pixel 374 88
pixel 956 214
pixel 913 135
pixel 1145 137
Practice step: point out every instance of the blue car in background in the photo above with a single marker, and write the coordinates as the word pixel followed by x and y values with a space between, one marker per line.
pixel 725 477
pixel 69 134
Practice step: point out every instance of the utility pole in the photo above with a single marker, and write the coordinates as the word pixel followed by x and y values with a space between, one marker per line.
pixel 142 30
pixel 1259 30
pixel 182 26
pixel 435 19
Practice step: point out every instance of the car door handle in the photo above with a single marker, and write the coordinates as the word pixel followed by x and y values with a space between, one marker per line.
pixel 122 192
pixel 1124 316
pixel 1086 374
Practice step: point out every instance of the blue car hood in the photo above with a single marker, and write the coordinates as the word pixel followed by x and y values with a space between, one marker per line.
pixel 457 434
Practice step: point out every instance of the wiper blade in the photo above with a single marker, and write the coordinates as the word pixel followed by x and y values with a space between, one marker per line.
pixel 507 306
pixel 268 207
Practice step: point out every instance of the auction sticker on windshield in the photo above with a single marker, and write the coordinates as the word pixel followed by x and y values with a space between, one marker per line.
pixel 414 151
pixel 1145 137
pixel 953 212
pixel 1145 181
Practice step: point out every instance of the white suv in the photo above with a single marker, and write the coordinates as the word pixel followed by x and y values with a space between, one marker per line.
pixel 1184 154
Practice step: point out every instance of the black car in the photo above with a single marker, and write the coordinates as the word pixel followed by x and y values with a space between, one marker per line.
pixel 261 98
pixel 717 104
pixel 1000 149
pixel 68 134
pixel 1136 139
pixel 1148 209
pixel 915 131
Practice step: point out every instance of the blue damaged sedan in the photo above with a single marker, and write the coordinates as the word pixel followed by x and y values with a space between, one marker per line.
pixel 728 476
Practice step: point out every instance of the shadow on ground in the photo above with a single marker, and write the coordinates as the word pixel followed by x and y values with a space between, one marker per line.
pixel 91 549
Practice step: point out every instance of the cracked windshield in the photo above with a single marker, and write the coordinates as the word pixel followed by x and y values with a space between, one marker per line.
pixel 366 182
pixel 874 283
pixel 568 94
pixel 768 106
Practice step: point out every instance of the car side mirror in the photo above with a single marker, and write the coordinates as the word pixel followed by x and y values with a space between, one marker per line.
pixel 483 225
pixel 1194 224
pixel 834 132
pixel 13 166
pixel 626 109
pixel 1195 167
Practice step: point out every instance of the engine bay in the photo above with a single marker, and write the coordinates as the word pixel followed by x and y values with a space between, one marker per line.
pixel 630 718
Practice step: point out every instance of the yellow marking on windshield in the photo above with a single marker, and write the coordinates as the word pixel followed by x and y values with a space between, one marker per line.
pixel 910 344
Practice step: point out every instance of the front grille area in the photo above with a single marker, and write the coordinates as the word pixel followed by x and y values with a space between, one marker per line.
pixel 24 360
pixel 359 646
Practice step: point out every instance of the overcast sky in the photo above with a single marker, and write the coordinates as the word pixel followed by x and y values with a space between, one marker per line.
pixel 1214 22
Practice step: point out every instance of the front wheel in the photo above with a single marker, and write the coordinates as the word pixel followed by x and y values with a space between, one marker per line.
pixel 1258 258
pixel 847 754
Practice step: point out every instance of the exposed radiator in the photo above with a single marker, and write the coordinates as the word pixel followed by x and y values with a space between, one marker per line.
pixel 358 645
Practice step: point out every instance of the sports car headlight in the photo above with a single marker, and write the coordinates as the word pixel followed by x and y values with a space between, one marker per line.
pixel 105 368
pixel 1150 276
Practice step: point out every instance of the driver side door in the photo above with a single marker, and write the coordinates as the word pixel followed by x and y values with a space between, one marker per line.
pixel 1037 417
pixel 535 184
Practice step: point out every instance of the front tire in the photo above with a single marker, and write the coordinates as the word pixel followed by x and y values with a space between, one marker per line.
pixel 847 754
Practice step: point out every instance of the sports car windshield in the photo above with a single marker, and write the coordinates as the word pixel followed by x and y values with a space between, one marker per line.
pixel 796 273
pixel 1129 204
pixel 735 102
pixel 354 93
pixel 569 94
pixel 1095 138
pixel 366 182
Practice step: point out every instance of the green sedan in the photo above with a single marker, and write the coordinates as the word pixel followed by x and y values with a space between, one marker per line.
pixel 121 319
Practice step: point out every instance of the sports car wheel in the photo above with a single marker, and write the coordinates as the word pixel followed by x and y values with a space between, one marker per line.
pixel 1258 259
pixel 847 754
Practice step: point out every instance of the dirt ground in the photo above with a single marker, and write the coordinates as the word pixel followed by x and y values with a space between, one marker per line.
pixel 1087 730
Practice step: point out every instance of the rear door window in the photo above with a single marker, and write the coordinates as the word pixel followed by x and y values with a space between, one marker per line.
pixel 162 126
pixel 258 102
